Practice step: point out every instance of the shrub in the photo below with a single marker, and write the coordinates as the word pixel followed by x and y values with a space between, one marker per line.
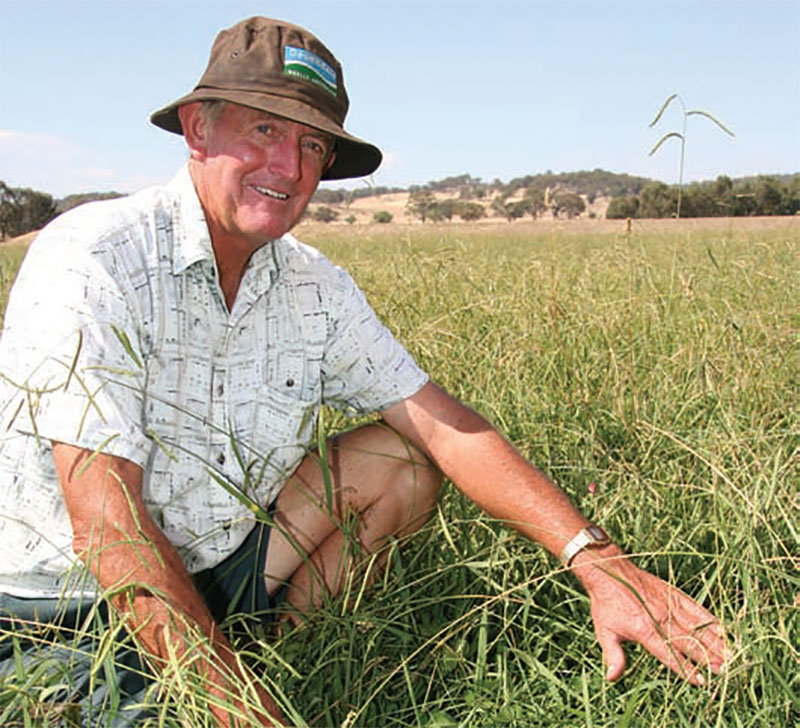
pixel 324 214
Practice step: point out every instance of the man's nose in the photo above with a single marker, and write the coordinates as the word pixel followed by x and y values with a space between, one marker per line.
pixel 283 159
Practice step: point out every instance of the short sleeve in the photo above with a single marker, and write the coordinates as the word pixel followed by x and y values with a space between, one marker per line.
pixel 69 355
pixel 365 368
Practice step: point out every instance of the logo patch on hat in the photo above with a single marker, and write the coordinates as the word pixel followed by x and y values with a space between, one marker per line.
pixel 305 65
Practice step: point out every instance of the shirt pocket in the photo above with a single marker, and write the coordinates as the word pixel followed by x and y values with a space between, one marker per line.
pixel 283 424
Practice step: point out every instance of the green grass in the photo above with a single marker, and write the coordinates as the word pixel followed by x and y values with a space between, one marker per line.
pixel 662 366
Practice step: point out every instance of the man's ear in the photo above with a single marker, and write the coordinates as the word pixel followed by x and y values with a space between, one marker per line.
pixel 329 160
pixel 195 128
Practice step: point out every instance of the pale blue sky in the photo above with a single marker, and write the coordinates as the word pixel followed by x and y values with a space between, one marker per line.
pixel 496 89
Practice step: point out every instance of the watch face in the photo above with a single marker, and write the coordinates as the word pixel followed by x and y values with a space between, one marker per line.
pixel 598 534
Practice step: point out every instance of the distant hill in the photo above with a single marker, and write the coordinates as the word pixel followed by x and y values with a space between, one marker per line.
pixel 602 193
pixel 594 183
pixel 548 194
pixel 591 184
pixel 70 201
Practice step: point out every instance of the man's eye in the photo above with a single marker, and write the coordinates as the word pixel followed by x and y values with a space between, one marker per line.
pixel 264 128
pixel 315 146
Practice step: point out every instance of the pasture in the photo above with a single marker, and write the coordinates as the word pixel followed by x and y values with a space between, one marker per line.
pixel 653 371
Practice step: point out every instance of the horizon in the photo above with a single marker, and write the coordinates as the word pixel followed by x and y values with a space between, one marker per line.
pixel 496 90
pixel 396 189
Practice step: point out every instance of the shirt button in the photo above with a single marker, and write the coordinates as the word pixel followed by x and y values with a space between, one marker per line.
pixel 290 382
pixel 221 458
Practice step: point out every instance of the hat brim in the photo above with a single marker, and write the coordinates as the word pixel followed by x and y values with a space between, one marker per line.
pixel 354 156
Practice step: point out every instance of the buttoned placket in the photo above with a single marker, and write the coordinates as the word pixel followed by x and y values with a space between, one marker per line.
pixel 246 298
pixel 218 410
pixel 218 406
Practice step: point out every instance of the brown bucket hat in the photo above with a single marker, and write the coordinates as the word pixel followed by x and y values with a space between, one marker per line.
pixel 281 68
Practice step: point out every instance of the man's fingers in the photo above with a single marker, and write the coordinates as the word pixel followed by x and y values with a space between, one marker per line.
pixel 695 632
pixel 679 655
pixel 613 654
pixel 693 648
pixel 710 639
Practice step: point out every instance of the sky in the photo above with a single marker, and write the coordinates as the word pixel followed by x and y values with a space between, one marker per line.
pixel 496 89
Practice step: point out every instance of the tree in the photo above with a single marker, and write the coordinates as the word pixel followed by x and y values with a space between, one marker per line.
pixel 682 136
pixel 449 207
pixel 471 211
pixel 622 207
pixel 509 210
pixel 535 199
pixel 723 194
pixel 791 196
pixel 382 217
pixel 23 210
pixel 768 197
pixel 569 203
pixel 422 204
pixel 700 201
pixel 8 210
pixel 324 214
pixel 500 207
pixel 657 200
pixel 519 209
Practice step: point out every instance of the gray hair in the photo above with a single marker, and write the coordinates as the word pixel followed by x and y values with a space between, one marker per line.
pixel 212 109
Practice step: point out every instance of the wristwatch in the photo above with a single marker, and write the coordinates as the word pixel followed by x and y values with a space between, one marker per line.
pixel 590 537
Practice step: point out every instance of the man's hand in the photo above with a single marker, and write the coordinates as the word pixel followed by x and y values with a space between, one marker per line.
pixel 629 604
pixel 115 535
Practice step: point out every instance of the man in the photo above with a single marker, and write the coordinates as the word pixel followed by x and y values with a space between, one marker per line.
pixel 162 387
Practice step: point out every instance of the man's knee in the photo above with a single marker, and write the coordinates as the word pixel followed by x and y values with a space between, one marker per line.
pixel 412 480
pixel 371 467
pixel 377 475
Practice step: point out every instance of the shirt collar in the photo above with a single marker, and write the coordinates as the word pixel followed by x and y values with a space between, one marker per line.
pixel 192 241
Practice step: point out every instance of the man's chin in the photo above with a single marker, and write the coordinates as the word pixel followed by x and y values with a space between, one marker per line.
pixel 266 233
pixel 274 228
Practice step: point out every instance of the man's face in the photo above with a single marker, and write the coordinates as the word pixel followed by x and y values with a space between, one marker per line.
pixel 256 172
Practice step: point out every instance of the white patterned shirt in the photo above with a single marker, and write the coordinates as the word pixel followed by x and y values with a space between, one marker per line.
pixel 117 338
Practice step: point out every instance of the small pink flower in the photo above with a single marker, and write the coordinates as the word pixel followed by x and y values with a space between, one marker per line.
pixel 592 486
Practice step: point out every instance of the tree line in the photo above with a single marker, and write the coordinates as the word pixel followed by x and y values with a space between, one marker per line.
pixel 563 194
pixel 23 210
pixel 423 204
pixel 587 183
pixel 724 197
pixel 342 196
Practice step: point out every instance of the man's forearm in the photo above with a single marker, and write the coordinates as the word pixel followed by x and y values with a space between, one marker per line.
pixel 626 602
pixel 175 638
pixel 146 579
pixel 487 468
pixel 492 473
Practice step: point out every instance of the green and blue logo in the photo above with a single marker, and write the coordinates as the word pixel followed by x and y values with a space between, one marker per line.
pixel 307 66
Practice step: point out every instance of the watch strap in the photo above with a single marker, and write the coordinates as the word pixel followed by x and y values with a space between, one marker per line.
pixel 590 536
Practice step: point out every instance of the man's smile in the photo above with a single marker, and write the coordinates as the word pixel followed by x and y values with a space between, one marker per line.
pixel 267 192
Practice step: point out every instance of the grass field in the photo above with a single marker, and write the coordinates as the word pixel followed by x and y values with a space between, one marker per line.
pixel 659 363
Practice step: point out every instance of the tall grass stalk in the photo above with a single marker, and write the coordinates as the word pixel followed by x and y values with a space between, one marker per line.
pixel 682 135
pixel 654 375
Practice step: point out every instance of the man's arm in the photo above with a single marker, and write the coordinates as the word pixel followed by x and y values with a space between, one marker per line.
pixel 136 564
pixel 627 603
